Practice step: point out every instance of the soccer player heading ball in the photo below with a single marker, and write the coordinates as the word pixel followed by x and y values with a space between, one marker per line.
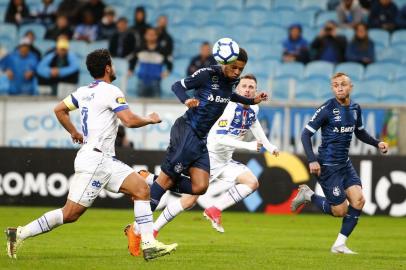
pixel 338 119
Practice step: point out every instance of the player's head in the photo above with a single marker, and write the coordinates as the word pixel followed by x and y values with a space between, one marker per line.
pixel 100 65
pixel 341 85
pixel 247 86
pixel 234 70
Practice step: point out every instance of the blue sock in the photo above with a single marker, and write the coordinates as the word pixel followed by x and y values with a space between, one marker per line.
pixel 322 204
pixel 350 221
pixel 156 194
pixel 182 185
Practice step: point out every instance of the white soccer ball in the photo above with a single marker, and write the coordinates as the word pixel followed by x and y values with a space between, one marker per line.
pixel 225 51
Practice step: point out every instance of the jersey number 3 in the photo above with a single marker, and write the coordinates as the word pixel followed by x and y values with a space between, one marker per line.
pixel 84 120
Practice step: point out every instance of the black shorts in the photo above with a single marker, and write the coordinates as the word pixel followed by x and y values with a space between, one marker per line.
pixel 185 150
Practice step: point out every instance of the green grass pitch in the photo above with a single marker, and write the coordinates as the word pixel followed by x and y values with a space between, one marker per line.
pixel 251 241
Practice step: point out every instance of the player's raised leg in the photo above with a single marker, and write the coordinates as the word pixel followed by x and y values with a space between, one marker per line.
pixel 173 209
pixel 135 186
pixel 246 184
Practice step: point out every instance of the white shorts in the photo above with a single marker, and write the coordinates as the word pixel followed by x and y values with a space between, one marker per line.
pixel 93 172
pixel 228 171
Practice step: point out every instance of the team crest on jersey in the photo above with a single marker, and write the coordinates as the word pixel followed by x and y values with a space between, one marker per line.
pixel 121 100
pixel 223 123
pixel 178 167
pixel 336 191
pixel 336 111
pixel 215 79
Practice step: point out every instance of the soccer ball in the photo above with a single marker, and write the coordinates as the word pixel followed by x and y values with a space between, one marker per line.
pixel 225 51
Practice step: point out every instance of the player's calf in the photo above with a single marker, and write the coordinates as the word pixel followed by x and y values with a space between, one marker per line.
pixel 340 210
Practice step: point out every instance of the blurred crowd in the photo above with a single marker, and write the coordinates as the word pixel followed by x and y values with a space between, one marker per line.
pixel 148 48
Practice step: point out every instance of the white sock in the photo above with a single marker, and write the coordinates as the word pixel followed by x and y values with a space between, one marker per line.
pixel 136 228
pixel 341 239
pixel 233 196
pixel 45 223
pixel 144 219
pixel 170 212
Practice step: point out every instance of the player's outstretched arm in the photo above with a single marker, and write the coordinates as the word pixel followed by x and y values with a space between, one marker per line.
pixel 259 134
pixel 364 137
pixel 249 101
pixel 62 114
pixel 131 120
pixel 237 144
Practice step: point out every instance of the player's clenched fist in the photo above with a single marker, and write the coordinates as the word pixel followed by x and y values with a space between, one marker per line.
pixel 77 137
pixel 192 102
pixel 383 147
pixel 315 168
pixel 260 97
pixel 154 117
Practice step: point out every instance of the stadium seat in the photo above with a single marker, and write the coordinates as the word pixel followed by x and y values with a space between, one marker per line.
pixel 324 17
pixel 79 47
pixel 286 4
pixel 379 36
pixel 100 44
pixel 206 5
pixel 367 91
pixel 394 93
pixel 287 17
pixel 354 70
pixel 256 18
pixel 7 44
pixel 278 34
pixel 347 32
pixel 132 86
pixel 260 51
pixel 382 71
pixel 230 17
pixel 8 30
pixel 319 69
pixel 229 5
pixel 260 35
pixel 121 66
pixel 281 89
pixel 400 73
pixel 180 66
pixel 398 36
pixel 311 89
pixel 166 86
pixel 390 55
pixel 38 30
pixel 293 70
pixel 85 78
pixel 309 33
pixel 46 45
pixel 271 20
pixel 314 5
pixel 306 18
pixel 4 84
pixel 261 68
pixel 257 5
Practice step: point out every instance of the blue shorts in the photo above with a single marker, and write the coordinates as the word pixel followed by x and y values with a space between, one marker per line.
pixel 185 150
pixel 334 180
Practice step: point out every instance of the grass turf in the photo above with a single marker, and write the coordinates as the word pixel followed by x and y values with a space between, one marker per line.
pixel 251 241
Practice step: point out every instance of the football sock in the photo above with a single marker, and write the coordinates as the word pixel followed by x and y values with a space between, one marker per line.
pixel 170 212
pixel 341 239
pixel 45 223
pixel 182 185
pixel 144 219
pixel 136 228
pixel 156 194
pixel 322 203
pixel 232 196
pixel 350 221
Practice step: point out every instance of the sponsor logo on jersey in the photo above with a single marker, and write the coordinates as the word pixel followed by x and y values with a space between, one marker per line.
pixel 96 183
pixel 336 191
pixel 344 129
pixel 121 100
pixel 223 123
pixel 218 99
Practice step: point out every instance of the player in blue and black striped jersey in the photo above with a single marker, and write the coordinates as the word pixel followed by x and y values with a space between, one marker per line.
pixel 187 151
pixel 338 119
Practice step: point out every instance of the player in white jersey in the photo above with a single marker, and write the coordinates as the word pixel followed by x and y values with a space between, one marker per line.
pixel 225 136
pixel 101 105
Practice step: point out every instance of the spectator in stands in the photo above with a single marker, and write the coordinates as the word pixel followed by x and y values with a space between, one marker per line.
pixel 19 67
pixel 361 48
pixel 401 19
pixel 97 8
pixel 164 38
pixel 61 65
pixel 151 62
pixel 122 140
pixel 349 13
pixel 329 46
pixel 87 30
pixel 204 59
pixel 31 37
pixel 140 26
pixel 383 15
pixel 62 27
pixel 122 43
pixel 45 13
pixel 107 27
pixel 295 47
pixel 70 9
pixel 17 12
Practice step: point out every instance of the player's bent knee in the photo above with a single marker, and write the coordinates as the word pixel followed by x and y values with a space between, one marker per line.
pixel 359 203
pixel 339 210
pixel 199 188
pixel 141 193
